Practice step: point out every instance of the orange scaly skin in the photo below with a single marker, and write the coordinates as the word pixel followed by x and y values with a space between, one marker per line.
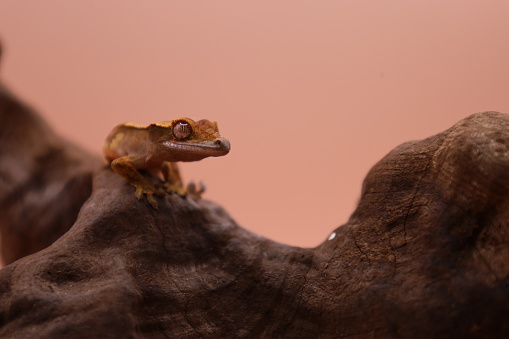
pixel 156 148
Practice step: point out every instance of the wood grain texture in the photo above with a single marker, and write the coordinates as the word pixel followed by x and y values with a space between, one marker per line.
pixel 425 254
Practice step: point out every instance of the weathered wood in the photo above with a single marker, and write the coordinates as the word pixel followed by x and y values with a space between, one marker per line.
pixel 424 255
pixel 44 180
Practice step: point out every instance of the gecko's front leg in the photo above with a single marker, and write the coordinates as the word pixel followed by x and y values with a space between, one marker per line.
pixel 172 179
pixel 127 167
pixel 174 184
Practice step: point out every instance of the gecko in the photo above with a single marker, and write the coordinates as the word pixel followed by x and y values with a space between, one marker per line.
pixel 155 148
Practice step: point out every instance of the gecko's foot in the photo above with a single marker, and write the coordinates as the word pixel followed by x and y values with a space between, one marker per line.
pixel 172 187
pixel 194 192
pixel 149 191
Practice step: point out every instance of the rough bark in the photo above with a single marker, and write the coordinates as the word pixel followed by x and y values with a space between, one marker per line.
pixel 424 255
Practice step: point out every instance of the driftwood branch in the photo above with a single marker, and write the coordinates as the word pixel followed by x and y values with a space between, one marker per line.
pixel 44 181
pixel 425 254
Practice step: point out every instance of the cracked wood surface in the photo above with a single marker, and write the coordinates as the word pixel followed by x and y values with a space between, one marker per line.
pixel 425 254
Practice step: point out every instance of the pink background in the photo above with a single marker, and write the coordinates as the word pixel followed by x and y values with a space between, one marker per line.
pixel 310 93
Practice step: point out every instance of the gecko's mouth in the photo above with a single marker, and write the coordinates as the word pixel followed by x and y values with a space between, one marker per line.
pixel 214 148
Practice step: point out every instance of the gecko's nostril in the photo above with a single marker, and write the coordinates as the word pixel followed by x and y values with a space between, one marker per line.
pixel 223 144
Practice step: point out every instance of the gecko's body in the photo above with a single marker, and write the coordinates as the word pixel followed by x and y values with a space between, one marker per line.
pixel 156 148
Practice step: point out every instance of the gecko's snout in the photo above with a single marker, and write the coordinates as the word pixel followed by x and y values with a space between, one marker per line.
pixel 222 144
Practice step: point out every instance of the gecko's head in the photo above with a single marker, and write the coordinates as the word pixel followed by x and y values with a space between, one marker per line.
pixel 189 140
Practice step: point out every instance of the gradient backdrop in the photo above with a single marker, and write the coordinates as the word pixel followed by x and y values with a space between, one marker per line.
pixel 310 93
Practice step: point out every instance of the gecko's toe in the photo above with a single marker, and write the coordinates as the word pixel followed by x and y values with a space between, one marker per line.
pixel 149 191
pixel 191 187
pixel 175 188
pixel 193 192
pixel 139 193
pixel 152 201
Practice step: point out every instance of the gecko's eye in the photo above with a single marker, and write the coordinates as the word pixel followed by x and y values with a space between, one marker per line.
pixel 182 130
